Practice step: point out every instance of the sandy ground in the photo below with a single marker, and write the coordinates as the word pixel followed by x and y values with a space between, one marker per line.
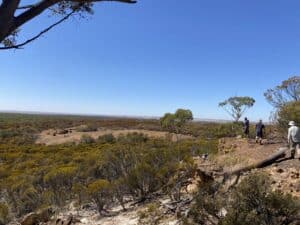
pixel 240 151
pixel 285 173
pixel 46 137
pixel 118 217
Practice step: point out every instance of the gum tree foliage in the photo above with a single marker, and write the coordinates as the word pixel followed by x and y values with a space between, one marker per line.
pixel 290 111
pixel 285 98
pixel 16 13
pixel 237 106
pixel 175 122
pixel 287 91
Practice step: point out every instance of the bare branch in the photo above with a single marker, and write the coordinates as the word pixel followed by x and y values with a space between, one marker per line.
pixel 18 46
pixel 34 11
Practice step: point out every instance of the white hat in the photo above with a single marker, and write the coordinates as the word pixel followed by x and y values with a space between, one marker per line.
pixel 292 123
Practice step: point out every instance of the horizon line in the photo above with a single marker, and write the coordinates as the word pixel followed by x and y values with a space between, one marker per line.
pixel 103 115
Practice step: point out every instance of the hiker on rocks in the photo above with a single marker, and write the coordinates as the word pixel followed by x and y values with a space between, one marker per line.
pixel 246 127
pixel 293 138
pixel 259 130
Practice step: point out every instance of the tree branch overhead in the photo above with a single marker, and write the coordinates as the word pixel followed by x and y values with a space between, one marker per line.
pixel 10 22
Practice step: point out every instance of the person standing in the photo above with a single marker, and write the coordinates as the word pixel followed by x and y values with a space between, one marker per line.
pixel 259 130
pixel 246 127
pixel 293 138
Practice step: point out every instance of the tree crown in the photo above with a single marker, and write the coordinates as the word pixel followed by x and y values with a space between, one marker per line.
pixel 237 106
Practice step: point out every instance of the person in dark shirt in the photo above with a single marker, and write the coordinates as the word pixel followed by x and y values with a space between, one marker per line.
pixel 259 130
pixel 246 127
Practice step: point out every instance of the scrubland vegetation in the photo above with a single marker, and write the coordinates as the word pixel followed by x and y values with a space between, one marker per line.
pixel 251 202
pixel 113 170
pixel 105 171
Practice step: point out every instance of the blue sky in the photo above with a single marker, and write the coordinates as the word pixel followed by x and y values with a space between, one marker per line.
pixel 154 57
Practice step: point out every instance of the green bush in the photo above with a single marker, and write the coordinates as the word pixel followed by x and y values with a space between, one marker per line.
pixel 152 215
pixel 254 202
pixel 30 200
pixel 100 193
pixel 4 214
pixel 288 112
pixel 133 138
pixel 60 180
pixel 87 139
pixel 106 138
pixel 143 179
pixel 87 128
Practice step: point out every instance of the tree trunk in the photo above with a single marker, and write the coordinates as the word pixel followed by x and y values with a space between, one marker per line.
pixel 271 159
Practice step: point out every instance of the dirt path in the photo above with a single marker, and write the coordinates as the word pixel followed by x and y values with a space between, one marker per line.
pixel 47 137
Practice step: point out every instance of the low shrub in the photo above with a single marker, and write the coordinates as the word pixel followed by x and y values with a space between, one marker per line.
pixel 87 128
pixel 100 192
pixel 4 213
pixel 252 202
pixel 106 138
pixel 133 138
pixel 87 139
pixel 152 215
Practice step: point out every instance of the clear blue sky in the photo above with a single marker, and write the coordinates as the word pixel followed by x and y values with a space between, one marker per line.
pixel 154 57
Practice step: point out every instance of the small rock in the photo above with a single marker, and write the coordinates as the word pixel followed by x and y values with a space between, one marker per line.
pixel 295 175
pixel 279 170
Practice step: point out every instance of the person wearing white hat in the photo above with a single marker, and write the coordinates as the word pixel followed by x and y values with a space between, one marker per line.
pixel 293 138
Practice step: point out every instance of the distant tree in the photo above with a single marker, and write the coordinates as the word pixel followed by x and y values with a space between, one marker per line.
pixel 182 116
pixel 237 106
pixel 16 13
pixel 175 122
pixel 287 91
pixel 167 122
